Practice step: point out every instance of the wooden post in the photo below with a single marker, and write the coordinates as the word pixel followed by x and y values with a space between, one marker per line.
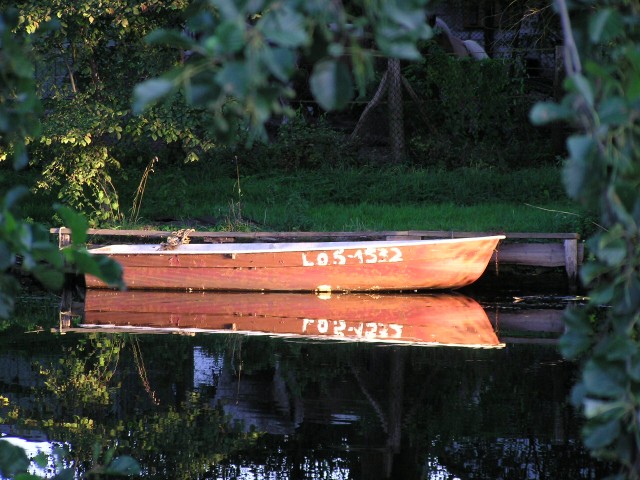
pixel 571 260
pixel 64 237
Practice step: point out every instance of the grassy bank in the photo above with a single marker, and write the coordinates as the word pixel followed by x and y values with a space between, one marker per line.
pixel 220 197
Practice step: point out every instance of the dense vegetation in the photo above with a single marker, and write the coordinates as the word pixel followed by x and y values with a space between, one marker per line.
pixel 232 75
pixel 603 172
pixel 89 56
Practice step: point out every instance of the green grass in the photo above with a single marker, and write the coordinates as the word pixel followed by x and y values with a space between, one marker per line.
pixel 487 217
pixel 328 199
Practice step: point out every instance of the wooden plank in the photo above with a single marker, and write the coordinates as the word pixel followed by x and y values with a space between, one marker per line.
pixel 528 320
pixel 532 254
pixel 312 235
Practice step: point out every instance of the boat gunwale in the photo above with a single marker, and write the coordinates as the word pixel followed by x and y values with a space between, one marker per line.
pixel 276 247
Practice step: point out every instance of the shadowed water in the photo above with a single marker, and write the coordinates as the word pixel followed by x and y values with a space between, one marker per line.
pixel 211 386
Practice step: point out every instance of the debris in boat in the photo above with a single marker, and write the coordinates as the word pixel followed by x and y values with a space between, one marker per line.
pixel 180 237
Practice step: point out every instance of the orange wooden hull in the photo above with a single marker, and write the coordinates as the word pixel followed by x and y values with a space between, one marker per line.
pixel 330 266
pixel 433 319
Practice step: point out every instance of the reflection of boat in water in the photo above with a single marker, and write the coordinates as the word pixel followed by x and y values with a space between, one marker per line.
pixel 435 319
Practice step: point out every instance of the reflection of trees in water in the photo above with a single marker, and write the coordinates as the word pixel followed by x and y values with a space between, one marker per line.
pixel 325 409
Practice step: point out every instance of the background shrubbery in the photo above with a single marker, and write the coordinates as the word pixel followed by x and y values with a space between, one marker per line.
pixel 92 149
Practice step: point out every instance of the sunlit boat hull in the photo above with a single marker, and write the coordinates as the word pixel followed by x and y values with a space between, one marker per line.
pixel 328 266
pixel 433 319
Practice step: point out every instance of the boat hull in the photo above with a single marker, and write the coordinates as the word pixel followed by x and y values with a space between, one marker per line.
pixel 331 266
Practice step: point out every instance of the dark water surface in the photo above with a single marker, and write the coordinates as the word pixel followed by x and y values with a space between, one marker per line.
pixel 192 403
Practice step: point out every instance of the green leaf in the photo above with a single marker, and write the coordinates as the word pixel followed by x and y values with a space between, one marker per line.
pixel 21 66
pixel 280 62
pixel 149 92
pixel 598 408
pixel 201 91
pixel 8 292
pixel 7 256
pixel 162 36
pixel 616 347
pixel 13 459
pixel 283 26
pixel 83 261
pixel 576 169
pixel 582 85
pixel 231 37
pixel 574 176
pixel 26 236
pixel 406 16
pixel 577 320
pixel 545 112
pixel 75 221
pixel 109 271
pixel 622 215
pixel 613 253
pixel 234 79
pixel 602 294
pixel 331 84
pixel 600 435
pixel 405 50
pixel 633 368
pixel 27 476
pixel 20 157
pixel 604 379
pixel 613 111
pixel 50 278
pixel 228 8
pixel 13 196
pixel 574 343
pixel 605 25
pixel 124 465
pixel 629 304
pixel 41 459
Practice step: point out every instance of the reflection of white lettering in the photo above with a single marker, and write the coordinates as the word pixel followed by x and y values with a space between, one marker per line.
pixel 323 326
pixel 397 328
pixel 371 330
pixel 383 332
pixel 359 330
pixel 305 323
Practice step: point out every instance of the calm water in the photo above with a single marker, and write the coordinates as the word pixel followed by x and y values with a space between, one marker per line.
pixel 205 402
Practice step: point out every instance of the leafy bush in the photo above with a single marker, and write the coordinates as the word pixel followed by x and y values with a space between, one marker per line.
pixel 301 143
pixel 477 113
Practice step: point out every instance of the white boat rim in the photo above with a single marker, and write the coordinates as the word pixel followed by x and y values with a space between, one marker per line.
pixel 228 248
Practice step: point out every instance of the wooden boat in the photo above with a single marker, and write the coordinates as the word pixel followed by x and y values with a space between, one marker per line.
pixel 325 266
pixel 417 319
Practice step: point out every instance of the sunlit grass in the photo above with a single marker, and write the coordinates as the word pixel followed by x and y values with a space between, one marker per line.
pixel 355 199
pixel 487 217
